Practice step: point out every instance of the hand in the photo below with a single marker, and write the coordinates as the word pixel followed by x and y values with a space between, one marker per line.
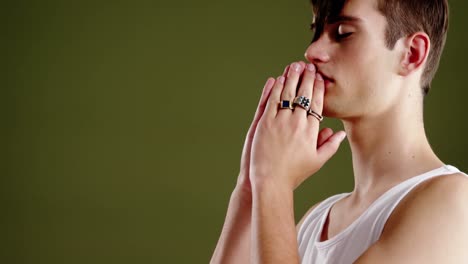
pixel 243 181
pixel 287 147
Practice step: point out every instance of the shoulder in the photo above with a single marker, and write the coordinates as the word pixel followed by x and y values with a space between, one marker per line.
pixel 446 191
pixel 433 215
pixel 442 194
pixel 455 181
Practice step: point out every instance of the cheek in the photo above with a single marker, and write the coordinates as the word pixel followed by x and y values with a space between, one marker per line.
pixel 363 67
pixel 367 67
pixel 360 81
pixel 358 71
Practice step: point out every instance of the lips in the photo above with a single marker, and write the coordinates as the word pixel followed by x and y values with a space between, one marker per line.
pixel 325 77
pixel 327 80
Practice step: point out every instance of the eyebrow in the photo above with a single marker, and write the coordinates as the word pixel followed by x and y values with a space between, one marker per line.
pixel 333 20
pixel 337 19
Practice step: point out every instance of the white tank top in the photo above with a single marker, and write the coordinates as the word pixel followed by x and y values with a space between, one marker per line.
pixel 351 243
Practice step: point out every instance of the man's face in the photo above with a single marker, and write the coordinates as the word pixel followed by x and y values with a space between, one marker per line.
pixel 351 51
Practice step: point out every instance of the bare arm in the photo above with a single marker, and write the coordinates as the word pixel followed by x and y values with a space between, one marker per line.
pixel 234 243
pixel 285 152
pixel 274 237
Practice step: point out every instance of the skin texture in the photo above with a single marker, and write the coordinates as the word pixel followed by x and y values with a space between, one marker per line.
pixel 292 134
pixel 284 133
pixel 234 245
pixel 376 94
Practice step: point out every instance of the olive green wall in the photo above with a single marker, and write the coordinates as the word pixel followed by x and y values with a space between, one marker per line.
pixel 125 122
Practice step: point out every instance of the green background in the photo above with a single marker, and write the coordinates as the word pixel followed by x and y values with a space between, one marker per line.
pixel 125 120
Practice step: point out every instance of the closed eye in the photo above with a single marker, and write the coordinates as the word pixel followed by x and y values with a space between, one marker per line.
pixel 342 32
pixel 343 36
pixel 338 36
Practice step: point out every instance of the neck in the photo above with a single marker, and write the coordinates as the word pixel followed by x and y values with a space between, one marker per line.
pixel 387 149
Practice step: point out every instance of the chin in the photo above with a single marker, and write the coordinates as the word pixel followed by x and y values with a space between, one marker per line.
pixel 332 108
pixel 330 113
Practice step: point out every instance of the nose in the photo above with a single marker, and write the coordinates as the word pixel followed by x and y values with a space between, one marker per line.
pixel 318 52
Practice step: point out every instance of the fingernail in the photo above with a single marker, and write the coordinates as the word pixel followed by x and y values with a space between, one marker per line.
pixel 342 136
pixel 310 67
pixel 319 77
pixel 281 79
pixel 296 66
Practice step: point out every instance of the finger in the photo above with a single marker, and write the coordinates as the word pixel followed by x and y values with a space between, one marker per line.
pixel 262 103
pixel 317 100
pixel 330 146
pixel 253 127
pixel 273 101
pixel 307 82
pixel 323 136
pixel 285 72
pixel 306 88
pixel 289 91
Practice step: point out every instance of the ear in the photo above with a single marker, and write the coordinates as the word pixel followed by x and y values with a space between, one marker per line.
pixel 416 50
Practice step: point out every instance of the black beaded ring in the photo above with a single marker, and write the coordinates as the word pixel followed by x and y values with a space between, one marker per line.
pixel 303 102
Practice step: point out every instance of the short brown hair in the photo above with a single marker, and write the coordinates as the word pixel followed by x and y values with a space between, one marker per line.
pixel 404 17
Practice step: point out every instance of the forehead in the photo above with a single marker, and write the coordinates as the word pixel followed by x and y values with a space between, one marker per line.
pixel 360 8
pixel 365 10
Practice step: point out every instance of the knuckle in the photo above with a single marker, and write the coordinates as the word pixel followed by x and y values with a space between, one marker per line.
pixel 318 97
pixel 311 131
pixel 307 82
pixel 266 123
pixel 318 101
pixel 318 83
pixel 315 104
pixel 296 129
pixel 290 95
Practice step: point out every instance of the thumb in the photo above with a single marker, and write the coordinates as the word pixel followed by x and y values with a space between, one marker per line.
pixel 329 147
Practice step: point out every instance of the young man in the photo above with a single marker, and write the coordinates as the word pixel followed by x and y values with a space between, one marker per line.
pixel 371 64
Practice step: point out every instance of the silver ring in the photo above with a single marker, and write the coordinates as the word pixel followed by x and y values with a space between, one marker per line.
pixel 303 102
pixel 286 104
pixel 315 114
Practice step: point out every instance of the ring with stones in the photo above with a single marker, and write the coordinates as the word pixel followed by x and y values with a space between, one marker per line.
pixel 303 102
pixel 286 104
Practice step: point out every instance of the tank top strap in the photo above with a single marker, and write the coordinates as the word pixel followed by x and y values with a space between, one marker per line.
pixel 318 212
pixel 325 204
pixel 350 243
pixel 385 205
pixel 455 169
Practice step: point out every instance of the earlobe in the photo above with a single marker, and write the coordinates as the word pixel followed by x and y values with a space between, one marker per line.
pixel 416 51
